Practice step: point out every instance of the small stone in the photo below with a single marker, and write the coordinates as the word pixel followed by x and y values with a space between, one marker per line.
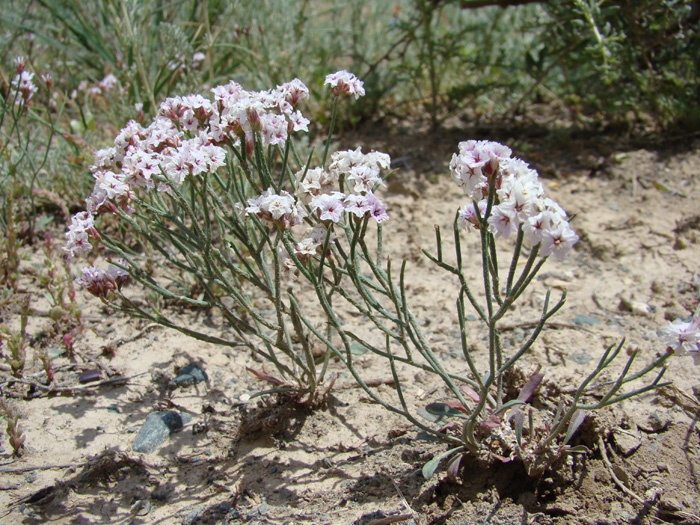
pixel 157 428
pixel 627 442
pixel 141 507
pixel 244 398
pixel 672 504
pixel 56 351
pixel 680 243
pixel 674 312
pixel 192 515
pixel 636 307
pixel 30 477
pixel 653 494
pixel 583 319
pixel 653 423
pixel 581 358
pixel 161 494
pixel 188 375
pixel 90 375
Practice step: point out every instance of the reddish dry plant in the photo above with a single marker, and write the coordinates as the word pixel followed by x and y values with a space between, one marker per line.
pixel 12 416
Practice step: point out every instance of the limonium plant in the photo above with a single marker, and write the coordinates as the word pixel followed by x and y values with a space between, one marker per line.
pixel 215 192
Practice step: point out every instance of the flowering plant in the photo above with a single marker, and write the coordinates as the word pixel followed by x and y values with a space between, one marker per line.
pixel 210 189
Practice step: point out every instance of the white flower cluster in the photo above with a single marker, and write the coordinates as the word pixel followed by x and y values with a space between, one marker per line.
pixel 345 83
pixel 520 202
pixel 317 191
pixel 280 209
pixel 683 337
pixel 100 282
pixel 184 140
pixel 79 232
pixel 23 85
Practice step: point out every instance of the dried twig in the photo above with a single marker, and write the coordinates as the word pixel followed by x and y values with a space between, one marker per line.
pixel 28 468
pixel 61 389
pixel 533 324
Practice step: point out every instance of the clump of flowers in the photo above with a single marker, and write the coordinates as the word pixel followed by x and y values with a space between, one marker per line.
pixel 209 185
pixel 345 83
pixel 217 190
pixel 521 198
pixel 101 282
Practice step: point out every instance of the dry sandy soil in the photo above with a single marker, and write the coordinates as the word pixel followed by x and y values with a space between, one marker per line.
pixel 351 461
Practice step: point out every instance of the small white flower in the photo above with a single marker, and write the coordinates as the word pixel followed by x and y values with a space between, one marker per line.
pixel 293 92
pixel 328 207
pixel 558 240
pixel 345 83
pixel 682 337
pixel 467 216
pixel 78 241
pixel 280 210
pixel 503 220
pixel 100 282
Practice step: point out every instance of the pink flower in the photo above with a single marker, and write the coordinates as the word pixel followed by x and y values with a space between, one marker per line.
pixel 23 83
pixel 476 161
pixel 100 282
pixel 503 220
pixel 78 234
pixel 558 240
pixel 328 207
pixel 468 215
pixel 376 208
pixel 344 83
pixel 293 92
pixel 280 210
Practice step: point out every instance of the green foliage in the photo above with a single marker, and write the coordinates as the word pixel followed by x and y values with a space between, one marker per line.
pixel 628 55
pixel 595 57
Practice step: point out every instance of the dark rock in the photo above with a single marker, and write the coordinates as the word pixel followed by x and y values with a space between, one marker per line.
pixel 188 375
pixel 90 375
pixel 157 428
pixel 161 494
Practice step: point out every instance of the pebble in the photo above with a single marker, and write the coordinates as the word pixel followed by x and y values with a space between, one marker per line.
pixel 188 375
pixel 653 423
pixel 192 515
pixel 161 494
pixel 157 428
pixel 636 307
pixel 675 312
pixel 90 375
pixel 581 358
pixel 30 477
pixel 627 442
pixel 56 351
pixel 583 319
pixel 141 507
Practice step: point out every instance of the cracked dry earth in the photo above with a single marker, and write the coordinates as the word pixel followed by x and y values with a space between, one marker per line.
pixel 350 461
